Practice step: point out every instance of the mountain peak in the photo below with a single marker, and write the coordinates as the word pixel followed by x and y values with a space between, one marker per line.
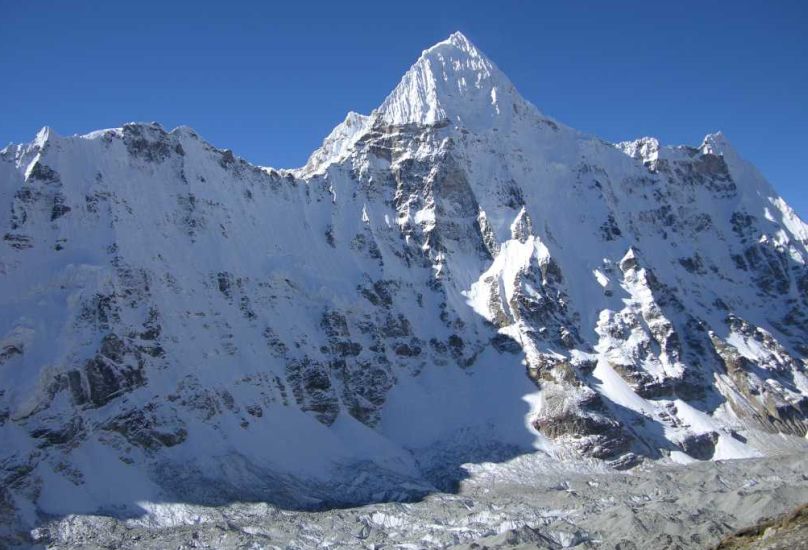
pixel 459 41
pixel 717 144
pixel 44 134
pixel 337 145
pixel 453 81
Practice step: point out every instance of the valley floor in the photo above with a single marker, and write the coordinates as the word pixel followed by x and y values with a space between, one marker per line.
pixel 529 502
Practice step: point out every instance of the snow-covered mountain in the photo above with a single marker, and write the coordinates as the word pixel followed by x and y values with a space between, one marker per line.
pixel 454 278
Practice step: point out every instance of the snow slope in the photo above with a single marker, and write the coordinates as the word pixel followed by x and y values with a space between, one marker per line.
pixel 453 278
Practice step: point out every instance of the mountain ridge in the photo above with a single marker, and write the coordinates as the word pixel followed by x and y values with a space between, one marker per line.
pixel 460 282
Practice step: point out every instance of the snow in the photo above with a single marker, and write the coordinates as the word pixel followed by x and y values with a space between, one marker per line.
pixel 602 279
pixel 617 390
pixel 682 458
pixel 453 80
pixel 442 403
pixel 338 145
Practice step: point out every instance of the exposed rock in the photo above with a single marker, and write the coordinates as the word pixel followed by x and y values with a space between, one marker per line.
pixel 788 532
pixel 700 446
pixel 144 429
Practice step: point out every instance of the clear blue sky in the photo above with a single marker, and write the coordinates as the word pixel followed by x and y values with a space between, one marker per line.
pixel 270 79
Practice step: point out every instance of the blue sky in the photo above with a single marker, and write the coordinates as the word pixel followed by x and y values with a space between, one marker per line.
pixel 270 79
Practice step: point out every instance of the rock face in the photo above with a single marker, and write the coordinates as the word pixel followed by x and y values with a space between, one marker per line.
pixel 785 533
pixel 453 278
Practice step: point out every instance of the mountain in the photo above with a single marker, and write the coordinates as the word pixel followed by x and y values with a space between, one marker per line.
pixel 454 278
